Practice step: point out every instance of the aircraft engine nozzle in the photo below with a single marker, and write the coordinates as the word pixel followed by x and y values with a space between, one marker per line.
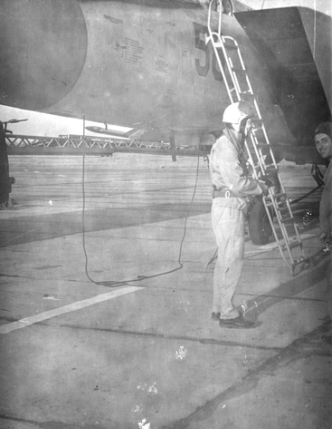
pixel 43 50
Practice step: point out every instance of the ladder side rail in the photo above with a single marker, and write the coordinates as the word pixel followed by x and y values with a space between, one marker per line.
pixel 277 212
pixel 211 6
pixel 281 244
pixel 220 45
pixel 255 144
pixel 225 79
pixel 229 64
pixel 282 189
pixel 298 236
pixel 268 143
pixel 287 242
pixel 260 164
pixel 282 227
pixel 255 166
pixel 209 15
pixel 271 221
pixel 275 208
pixel 255 102
pixel 212 35
pixel 263 129
pixel 250 159
pixel 234 79
pixel 249 91
pixel 232 68
pixel 219 3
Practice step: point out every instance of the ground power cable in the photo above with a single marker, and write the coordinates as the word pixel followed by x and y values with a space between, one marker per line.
pixel 116 283
pixel 83 206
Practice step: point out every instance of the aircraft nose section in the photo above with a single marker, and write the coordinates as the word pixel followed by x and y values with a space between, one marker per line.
pixel 43 45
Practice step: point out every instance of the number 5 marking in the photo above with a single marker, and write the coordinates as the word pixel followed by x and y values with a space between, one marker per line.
pixel 200 32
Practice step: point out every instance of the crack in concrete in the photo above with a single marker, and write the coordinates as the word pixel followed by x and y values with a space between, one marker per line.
pixel 298 349
pixel 50 424
pixel 287 355
pixel 210 341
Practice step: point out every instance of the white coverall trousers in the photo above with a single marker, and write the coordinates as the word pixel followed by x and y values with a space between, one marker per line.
pixel 228 225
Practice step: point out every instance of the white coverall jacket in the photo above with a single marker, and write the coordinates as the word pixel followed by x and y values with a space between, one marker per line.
pixel 228 173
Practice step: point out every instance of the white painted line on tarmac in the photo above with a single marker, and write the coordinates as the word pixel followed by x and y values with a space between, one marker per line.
pixel 21 235
pixel 5 329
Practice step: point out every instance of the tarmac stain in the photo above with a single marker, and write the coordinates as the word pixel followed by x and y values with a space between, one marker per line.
pixel 62 224
pixel 61 425
pixel 46 267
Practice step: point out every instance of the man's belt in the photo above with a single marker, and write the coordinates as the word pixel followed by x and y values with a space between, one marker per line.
pixel 223 194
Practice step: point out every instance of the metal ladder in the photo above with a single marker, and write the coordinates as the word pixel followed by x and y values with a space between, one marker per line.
pixel 257 144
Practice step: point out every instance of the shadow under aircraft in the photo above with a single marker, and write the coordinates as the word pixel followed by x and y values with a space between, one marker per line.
pixel 146 65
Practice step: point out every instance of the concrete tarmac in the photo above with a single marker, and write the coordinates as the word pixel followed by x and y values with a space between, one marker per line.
pixel 105 311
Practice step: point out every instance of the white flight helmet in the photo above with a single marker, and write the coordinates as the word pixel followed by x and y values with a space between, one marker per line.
pixel 236 112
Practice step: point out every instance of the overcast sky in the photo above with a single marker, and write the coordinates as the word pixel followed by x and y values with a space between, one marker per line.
pixel 320 5
pixel 50 125
pixel 42 124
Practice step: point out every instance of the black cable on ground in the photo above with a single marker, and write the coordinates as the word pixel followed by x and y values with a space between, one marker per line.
pixel 83 207
pixel 115 283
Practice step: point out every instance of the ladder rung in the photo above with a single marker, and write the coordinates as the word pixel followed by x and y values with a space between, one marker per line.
pixel 263 145
pixel 291 242
pixel 258 147
pixel 272 169
pixel 229 46
pixel 283 210
pixel 281 194
pixel 239 69
pixel 247 94
pixel 295 244
pixel 257 122
pixel 258 168
pixel 268 166
pixel 289 219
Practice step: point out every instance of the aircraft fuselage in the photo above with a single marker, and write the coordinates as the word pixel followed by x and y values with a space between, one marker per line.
pixel 138 63
pixel 133 63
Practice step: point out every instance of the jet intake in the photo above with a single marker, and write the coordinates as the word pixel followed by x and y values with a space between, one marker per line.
pixel 43 51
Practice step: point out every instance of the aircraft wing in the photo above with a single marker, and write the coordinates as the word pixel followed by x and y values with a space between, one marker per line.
pixel 295 44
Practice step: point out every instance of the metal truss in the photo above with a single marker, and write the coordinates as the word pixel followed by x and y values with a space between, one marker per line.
pixel 77 145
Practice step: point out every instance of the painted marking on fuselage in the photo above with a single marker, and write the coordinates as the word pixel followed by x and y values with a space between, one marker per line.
pixel 200 32
pixel 5 329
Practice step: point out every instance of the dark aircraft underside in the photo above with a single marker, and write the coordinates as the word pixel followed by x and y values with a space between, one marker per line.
pixel 287 40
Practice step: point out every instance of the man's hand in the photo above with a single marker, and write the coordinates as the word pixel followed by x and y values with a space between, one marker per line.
pixel 325 238
pixel 264 188
pixel 271 180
